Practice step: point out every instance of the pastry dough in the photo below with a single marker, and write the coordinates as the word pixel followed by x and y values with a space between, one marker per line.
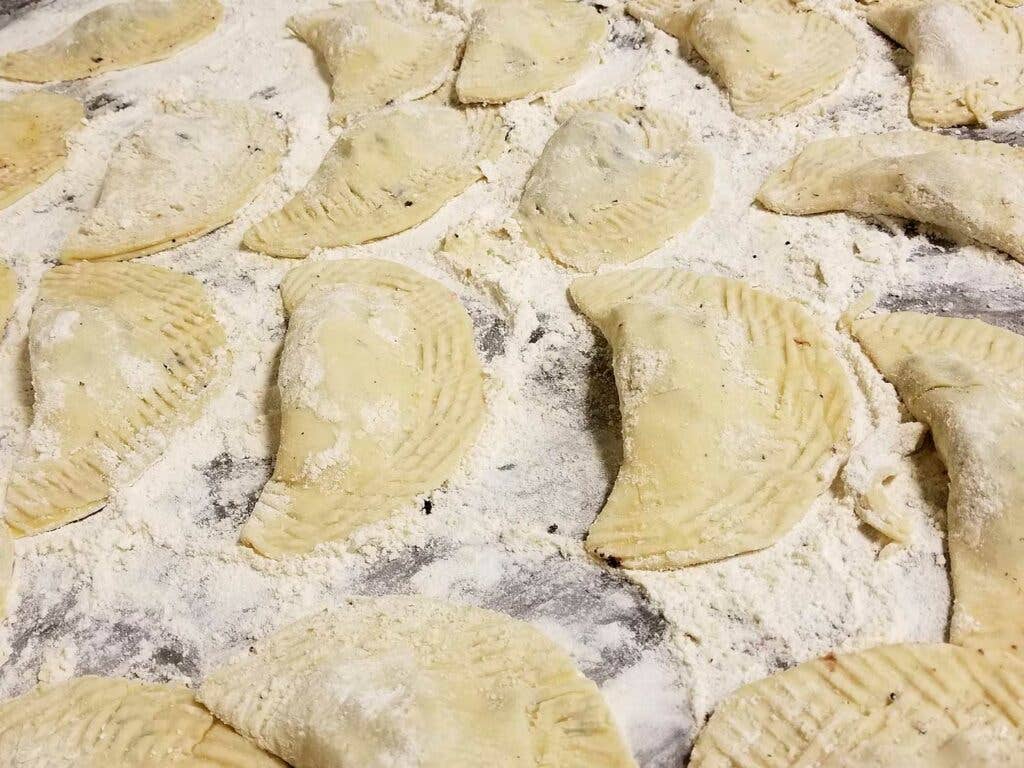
pixel 972 189
pixel 965 379
pixel 613 184
pixel 390 173
pixel 968 57
pixel 376 58
pixel 901 706
pixel 116 36
pixel 121 355
pixel 33 140
pixel 183 174
pixel 8 294
pixel 733 409
pixel 98 722
pixel 664 14
pixel 521 48
pixel 403 681
pixel 381 395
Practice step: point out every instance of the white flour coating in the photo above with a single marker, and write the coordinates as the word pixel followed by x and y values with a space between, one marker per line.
pixel 155 585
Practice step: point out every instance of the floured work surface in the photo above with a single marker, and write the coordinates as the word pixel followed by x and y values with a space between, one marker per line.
pixel 155 585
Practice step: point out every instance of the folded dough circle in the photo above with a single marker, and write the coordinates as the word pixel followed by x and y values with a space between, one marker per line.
pixel 971 189
pixel 389 173
pixel 968 57
pixel 521 48
pixel 411 681
pixel 33 140
pixel 613 184
pixel 183 174
pixel 900 706
pixel 376 58
pixel 100 722
pixel 121 355
pixel 116 36
pixel 965 379
pixel 733 409
pixel 381 396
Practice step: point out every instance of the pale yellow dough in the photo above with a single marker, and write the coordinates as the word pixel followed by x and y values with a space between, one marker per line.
pixel 664 14
pixel 407 681
pixel 181 175
pixel 900 706
pixel 971 189
pixel 376 58
pixel 121 355
pixel 381 395
pixel 98 722
pixel 116 36
pixel 8 294
pixel 734 410
pixel 613 184
pixel 965 379
pixel 968 57
pixel 391 172
pixel 33 140
pixel 521 48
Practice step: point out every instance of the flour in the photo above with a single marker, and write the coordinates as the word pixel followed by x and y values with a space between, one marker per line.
pixel 155 585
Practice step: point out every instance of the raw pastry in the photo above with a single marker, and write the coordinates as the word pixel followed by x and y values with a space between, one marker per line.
pixel 972 189
pixel 965 379
pixel 968 57
pixel 614 183
pixel 521 48
pixel 98 722
pixel 403 681
pixel 381 395
pixel 664 14
pixel 8 293
pixel 33 140
pixel 390 173
pixel 121 355
pixel 183 174
pixel 116 36
pixel 375 58
pixel 901 706
pixel 733 411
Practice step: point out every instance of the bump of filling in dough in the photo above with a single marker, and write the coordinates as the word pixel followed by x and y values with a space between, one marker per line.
pixel 116 36
pixel 900 706
pixel 965 379
pixel 100 722
pixel 968 57
pixel 521 48
pixel 121 355
pixel 734 409
pixel 971 189
pixel 381 395
pixel 376 58
pixel 613 184
pixel 183 174
pixel 402 681
pixel 389 173
pixel 33 140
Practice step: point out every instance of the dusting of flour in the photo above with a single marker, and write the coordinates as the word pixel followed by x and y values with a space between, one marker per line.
pixel 155 585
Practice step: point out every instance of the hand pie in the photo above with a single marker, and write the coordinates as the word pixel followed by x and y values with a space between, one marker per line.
pixel 521 48
pixel 389 173
pixel 407 681
pixel 33 140
pixel 381 395
pixel 121 355
pixel 900 706
pixel 733 411
pixel 972 189
pixel 376 58
pixel 968 57
pixel 183 174
pixel 613 184
pixel 100 722
pixel 116 36
pixel 965 379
